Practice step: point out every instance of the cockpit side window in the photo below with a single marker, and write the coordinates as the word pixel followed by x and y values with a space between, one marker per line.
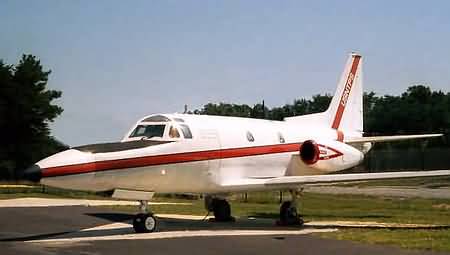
pixel 148 131
pixel 173 132
pixel 186 131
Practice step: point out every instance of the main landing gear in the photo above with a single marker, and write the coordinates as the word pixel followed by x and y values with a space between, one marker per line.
pixel 145 221
pixel 289 215
pixel 288 211
pixel 220 207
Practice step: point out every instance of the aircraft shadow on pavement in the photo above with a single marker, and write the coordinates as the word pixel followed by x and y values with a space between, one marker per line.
pixel 33 237
pixel 174 224
pixel 113 217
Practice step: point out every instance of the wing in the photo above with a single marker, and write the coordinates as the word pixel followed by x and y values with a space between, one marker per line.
pixel 388 138
pixel 286 182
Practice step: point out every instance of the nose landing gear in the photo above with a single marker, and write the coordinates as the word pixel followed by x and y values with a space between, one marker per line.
pixel 145 221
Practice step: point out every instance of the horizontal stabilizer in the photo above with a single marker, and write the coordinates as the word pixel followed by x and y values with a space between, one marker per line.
pixel 389 138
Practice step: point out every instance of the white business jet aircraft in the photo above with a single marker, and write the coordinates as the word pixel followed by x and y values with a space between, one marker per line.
pixel 215 156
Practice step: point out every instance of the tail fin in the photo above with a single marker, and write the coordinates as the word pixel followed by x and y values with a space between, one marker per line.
pixel 345 112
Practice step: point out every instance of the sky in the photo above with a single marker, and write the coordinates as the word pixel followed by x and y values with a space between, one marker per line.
pixel 117 61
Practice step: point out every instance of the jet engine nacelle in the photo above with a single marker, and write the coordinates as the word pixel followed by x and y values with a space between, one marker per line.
pixel 309 152
pixel 329 156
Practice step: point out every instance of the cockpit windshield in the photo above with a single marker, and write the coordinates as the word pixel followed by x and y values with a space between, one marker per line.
pixel 148 131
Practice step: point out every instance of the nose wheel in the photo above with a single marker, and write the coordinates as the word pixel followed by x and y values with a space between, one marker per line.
pixel 144 222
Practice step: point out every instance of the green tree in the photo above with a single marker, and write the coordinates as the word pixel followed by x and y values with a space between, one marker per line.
pixel 319 103
pixel 259 111
pixel 26 110
pixel 370 100
pixel 225 109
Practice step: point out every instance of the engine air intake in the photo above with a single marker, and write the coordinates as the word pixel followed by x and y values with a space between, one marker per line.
pixel 309 152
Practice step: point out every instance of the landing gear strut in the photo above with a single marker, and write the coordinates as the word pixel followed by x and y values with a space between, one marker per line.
pixel 144 222
pixel 288 211
pixel 220 207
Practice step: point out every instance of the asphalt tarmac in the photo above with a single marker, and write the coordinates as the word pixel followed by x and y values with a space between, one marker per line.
pixel 97 230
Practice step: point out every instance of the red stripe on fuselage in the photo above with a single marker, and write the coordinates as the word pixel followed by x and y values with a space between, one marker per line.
pixel 168 159
pixel 346 92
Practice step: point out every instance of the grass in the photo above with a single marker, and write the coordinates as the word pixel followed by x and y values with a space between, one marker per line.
pixel 11 191
pixel 424 182
pixel 314 207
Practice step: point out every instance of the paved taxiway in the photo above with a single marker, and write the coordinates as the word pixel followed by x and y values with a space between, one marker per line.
pixel 96 230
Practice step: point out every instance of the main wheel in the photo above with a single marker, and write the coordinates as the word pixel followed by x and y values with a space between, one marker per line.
pixel 144 223
pixel 289 215
pixel 222 210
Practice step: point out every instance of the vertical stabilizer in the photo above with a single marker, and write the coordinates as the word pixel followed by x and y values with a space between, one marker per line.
pixel 346 108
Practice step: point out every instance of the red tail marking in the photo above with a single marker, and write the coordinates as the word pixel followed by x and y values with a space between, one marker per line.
pixel 340 136
pixel 346 92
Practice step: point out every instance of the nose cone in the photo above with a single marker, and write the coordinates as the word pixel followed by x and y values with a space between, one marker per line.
pixel 33 173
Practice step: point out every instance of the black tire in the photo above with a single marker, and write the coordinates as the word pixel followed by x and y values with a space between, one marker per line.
pixel 289 215
pixel 222 210
pixel 144 223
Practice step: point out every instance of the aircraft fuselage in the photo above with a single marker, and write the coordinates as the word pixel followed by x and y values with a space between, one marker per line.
pixel 221 150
